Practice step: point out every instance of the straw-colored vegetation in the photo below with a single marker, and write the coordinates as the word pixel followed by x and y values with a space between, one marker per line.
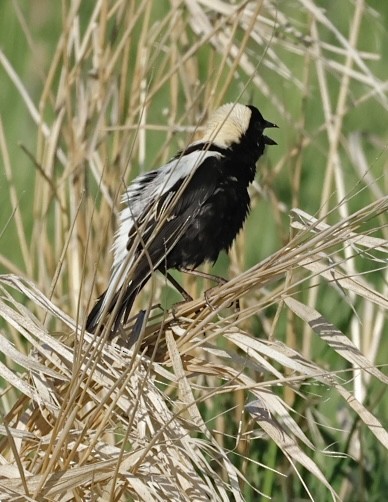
pixel 280 398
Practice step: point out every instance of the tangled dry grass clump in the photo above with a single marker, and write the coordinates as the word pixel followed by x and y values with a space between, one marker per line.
pixel 211 403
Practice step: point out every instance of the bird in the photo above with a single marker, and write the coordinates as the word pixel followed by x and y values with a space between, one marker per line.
pixel 187 211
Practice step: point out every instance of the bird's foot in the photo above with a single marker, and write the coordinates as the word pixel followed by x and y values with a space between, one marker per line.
pixel 198 273
pixel 208 302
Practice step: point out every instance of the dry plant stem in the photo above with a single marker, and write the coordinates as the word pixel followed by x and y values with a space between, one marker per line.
pixel 14 201
pixel 237 55
pixel 308 63
pixel 16 456
pixel 313 295
pixel 334 125
pixel 26 98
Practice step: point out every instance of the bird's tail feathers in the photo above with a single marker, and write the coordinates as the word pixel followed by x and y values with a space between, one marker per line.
pixel 108 304
pixel 94 315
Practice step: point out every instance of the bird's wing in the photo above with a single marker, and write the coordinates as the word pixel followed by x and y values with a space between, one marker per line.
pixel 163 223
pixel 148 188
pixel 155 216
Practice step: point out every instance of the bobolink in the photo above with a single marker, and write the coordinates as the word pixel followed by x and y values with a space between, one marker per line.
pixel 187 211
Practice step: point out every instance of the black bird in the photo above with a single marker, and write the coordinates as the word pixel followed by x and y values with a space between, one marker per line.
pixel 187 211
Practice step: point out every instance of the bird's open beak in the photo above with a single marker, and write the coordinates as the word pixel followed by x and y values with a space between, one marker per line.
pixel 267 140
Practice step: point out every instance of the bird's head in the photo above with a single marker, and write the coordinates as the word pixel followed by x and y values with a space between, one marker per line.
pixel 238 126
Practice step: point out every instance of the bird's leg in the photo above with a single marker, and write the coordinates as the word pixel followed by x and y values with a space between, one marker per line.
pixel 179 288
pixel 236 303
pixel 198 273
pixel 219 280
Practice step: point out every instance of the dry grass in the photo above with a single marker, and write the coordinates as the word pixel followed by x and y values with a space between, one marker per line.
pixel 187 412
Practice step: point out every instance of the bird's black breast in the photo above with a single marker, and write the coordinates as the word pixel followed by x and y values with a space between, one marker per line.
pixel 214 206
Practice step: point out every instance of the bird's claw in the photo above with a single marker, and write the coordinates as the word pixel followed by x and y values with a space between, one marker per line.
pixel 235 303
